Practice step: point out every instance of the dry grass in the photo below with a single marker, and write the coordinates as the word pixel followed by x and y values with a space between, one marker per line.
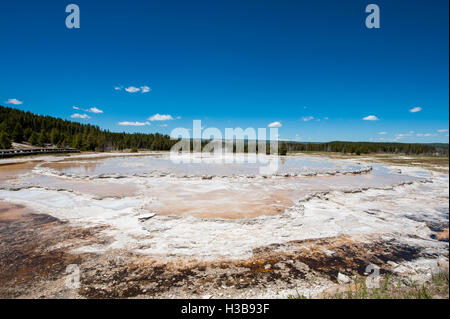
pixel 436 288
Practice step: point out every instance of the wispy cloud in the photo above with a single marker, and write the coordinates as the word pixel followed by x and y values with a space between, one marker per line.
pixel 443 131
pixel 307 118
pixel 145 89
pixel 403 135
pixel 370 118
pixel 90 110
pixel 126 123
pixel 14 102
pixel 382 133
pixel 415 109
pixel 95 110
pixel 163 125
pixel 80 116
pixel 425 134
pixel 134 89
pixel 275 124
pixel 160 117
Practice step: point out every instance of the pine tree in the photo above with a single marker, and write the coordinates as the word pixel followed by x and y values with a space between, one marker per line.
pixel 17 134
pixel 27 133
pixel 283 149
pixel 77 142
pixel 33 140
pixel 42 138
pixel 5 142
pixel 54 136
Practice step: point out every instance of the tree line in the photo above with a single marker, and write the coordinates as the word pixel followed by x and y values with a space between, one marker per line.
pixel 20 126
pixel 38 130
pixel 370 147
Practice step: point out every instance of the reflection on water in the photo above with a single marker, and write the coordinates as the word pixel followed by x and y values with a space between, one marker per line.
pixel 216 198
pixel 206 166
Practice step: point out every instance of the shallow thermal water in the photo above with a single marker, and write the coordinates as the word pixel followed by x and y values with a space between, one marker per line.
pixel 201 165
pixel 217 209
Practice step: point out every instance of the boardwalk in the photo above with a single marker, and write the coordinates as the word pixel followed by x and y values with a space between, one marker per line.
pixel 35 151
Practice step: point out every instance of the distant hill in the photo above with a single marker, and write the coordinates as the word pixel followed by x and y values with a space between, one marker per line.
pixel 19 126
pixel 371 147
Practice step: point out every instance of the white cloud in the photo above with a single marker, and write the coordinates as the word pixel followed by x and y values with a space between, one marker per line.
pixel 90 110
pixel 80 116
pixel 415 109
pixel 382 133
pixel 133 89
pixel 118 88
pixel 403 135
pixel 325 118
pixel 443 131
pixel 126 123
pixel 160 117
pixel 95 110
pixel 145 89
pixel 178 117
pixel 370 118
pixel 275 124
pixel 307 118
pixel 14 101
pixel 426 134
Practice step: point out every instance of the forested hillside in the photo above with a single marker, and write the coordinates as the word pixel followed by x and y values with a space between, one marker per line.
pixel 20 126
pixel 368 147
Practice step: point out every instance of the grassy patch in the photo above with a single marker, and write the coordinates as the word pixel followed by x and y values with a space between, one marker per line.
pixel 436 288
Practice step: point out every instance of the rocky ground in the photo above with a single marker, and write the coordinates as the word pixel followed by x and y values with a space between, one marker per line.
pixel 36 250
pixel 34 257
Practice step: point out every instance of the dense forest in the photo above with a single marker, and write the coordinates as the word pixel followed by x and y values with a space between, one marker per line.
pixel 20 126
pixel 367 148
pixel 356 148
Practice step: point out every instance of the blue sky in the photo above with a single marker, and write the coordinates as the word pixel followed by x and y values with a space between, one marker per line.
pixel 312 66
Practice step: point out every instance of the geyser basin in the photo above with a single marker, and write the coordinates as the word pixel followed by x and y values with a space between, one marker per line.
pixel 204 165
pixel 155 184
pixel 208 210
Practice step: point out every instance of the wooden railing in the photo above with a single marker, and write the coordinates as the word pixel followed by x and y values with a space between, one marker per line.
pixel 34 151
